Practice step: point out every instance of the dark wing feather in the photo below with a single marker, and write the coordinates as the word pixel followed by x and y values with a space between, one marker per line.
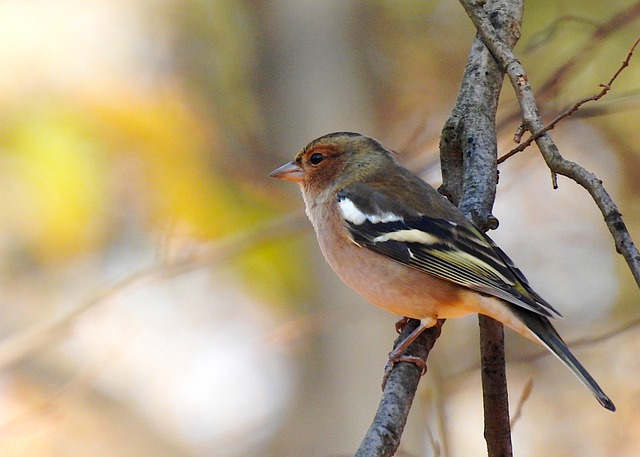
pixel 450 251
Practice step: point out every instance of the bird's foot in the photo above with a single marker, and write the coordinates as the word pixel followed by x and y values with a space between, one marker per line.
pixel 398 355
pixel 402 358
pixel 402 323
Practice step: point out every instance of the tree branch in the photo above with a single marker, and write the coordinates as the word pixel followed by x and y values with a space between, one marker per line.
pixel 383 437
pixel 468 154
pixel 552 85
pixel 605 88
pixel 532 122
pixel 495 398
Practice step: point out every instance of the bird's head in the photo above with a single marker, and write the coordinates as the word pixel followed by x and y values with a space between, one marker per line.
pixel 334 161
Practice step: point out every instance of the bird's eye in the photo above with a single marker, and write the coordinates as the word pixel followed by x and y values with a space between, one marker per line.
pixel 316 158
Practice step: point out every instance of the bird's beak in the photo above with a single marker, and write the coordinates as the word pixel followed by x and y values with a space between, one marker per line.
pixel 289 172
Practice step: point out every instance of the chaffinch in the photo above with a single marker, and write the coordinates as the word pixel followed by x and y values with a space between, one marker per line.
pixel 399 243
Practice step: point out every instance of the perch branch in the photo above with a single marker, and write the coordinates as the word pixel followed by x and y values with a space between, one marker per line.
pixel 383 437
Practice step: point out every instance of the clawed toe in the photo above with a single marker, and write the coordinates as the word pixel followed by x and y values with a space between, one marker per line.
pixel 402 323
pixel 402 358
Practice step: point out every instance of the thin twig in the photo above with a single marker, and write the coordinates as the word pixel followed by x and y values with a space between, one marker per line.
pixel 524 396
pixel 543 36
pixel 603 31
pixel 495 398
pixel 582 342
pixel 605 88
pixel 551 86
pixel 468 152
pixel 554 160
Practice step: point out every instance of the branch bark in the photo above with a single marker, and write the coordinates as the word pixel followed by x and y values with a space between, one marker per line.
pixel 469 167
pixel 532 121
pixel 383 437
pixel 468 155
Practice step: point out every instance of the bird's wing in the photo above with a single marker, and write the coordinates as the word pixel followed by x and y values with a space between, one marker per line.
pixel 451 251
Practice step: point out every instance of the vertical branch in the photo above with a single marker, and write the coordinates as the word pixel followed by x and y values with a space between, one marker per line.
pixel 468 153
pixel 497 424
pixel 532 121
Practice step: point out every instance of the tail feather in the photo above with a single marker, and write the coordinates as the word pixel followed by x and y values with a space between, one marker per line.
pixel 550 338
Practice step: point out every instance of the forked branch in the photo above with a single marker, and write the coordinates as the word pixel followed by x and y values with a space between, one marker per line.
pixel 532 121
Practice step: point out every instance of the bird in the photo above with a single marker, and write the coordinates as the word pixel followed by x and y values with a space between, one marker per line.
pixel 407 249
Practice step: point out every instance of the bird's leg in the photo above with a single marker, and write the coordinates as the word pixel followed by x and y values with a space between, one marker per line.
pixel 401 323
pixel 397 355
pixel 425 323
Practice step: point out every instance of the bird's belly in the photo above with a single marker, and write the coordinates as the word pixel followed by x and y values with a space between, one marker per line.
pixel 397 288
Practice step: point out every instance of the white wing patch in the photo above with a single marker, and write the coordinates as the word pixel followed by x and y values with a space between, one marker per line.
pixel 351 213
pixel 408 236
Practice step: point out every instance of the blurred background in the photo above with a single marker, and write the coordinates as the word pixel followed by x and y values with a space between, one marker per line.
pixel 160 295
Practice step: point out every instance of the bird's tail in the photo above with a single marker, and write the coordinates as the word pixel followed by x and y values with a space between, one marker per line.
pixel 549 337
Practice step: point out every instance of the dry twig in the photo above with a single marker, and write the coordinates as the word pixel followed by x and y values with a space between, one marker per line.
pixel 605 88
pixel 552 85
pixel 468 152
pixel 598 36
pixel 532 121
pixel 524 396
